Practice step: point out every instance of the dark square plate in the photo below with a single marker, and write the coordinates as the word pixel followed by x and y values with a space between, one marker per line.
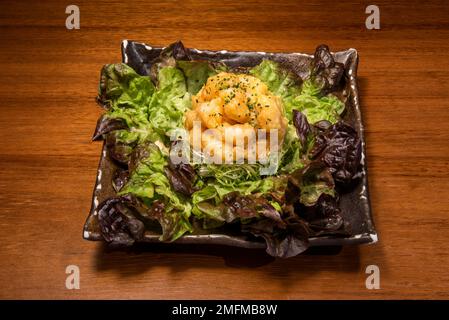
pixel 354 205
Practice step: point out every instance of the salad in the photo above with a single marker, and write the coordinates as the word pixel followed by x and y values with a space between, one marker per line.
pixel 202 147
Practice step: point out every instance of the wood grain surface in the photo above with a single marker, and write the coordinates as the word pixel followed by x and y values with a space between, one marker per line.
pixel 48 81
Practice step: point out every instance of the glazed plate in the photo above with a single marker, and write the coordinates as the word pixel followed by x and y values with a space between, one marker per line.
pixel 355 205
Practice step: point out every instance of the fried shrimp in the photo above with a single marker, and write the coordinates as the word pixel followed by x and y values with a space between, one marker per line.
pixel 211 113
pixel 236 105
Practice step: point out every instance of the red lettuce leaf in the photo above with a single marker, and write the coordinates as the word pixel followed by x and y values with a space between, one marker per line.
pixel 119 149
pixel 286 239
pixel 105 124
pixel 118 222
pixel 302 126
pixel 324 216
pixel 168 57
pixel 181 175
pixel 325 72
pixel 339 148
pixel 119 179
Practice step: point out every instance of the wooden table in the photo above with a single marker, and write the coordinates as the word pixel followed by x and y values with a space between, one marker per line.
pixel 49 77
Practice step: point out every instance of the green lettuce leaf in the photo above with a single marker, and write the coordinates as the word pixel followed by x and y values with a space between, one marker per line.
pixel 148 111
pixel 126 94
pixel 197 73
pixel 309 183
pixel 291 153
pixel 308 99
pixel 222 180
pixel 120 83
pixel 242 178
pixel 169 103
pixel 119 79
pixel 280 82
pixel 149 182
pixel 316 107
